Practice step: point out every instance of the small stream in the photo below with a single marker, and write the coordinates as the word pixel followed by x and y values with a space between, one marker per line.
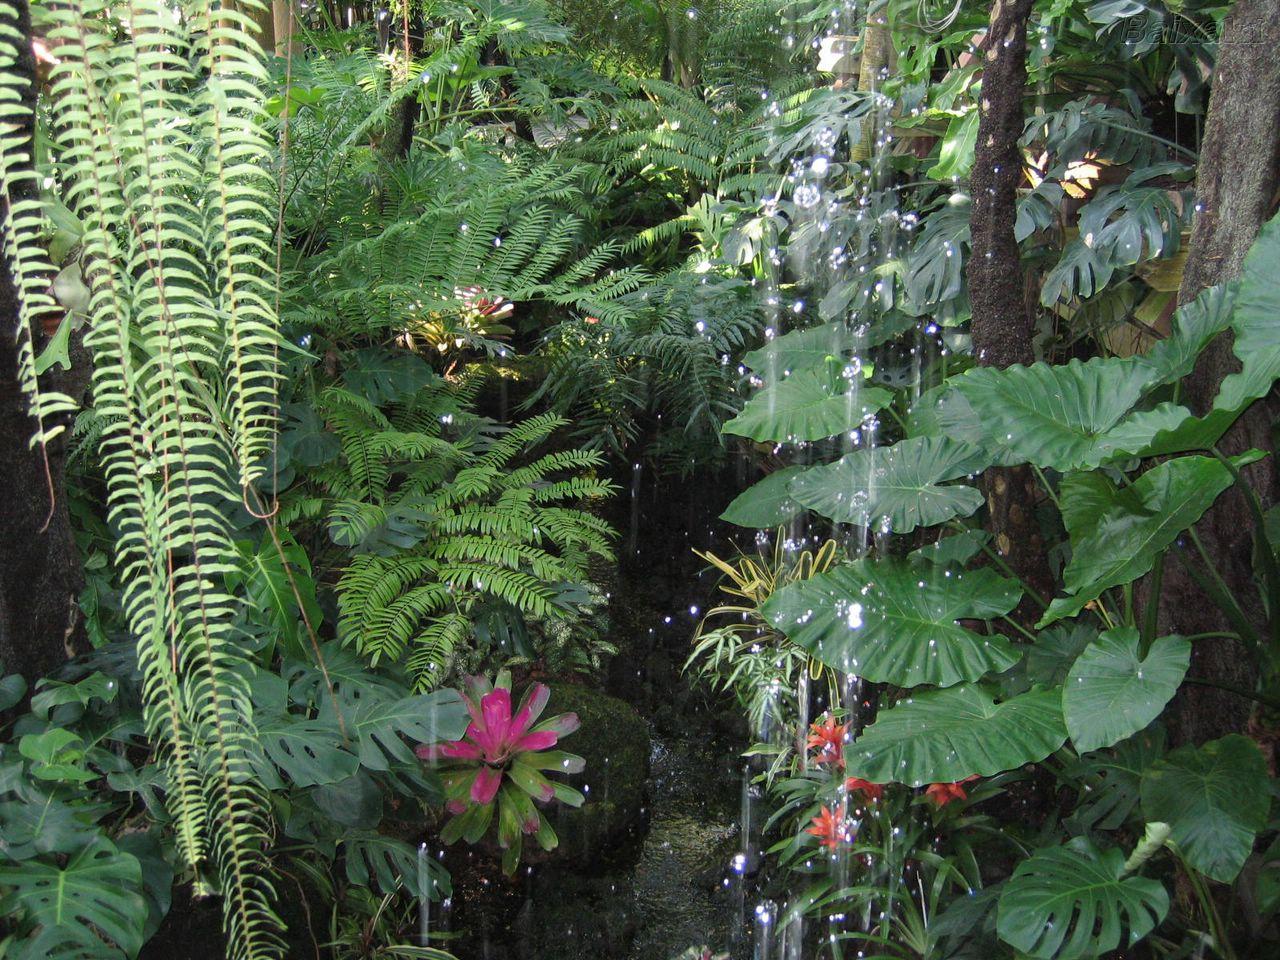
pixel 679 882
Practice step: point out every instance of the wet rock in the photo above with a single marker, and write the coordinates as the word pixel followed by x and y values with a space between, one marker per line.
pixel 614 740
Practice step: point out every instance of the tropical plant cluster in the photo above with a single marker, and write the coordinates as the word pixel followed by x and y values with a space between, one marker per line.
pixel 380 310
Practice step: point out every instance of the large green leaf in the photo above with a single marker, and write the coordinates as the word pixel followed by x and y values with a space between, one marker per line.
pixel 1116 534
pixel 1194 325
pixel 897 485
pixel 1111 781
pixel 947 735
pixel 1255 321
pixel 1215 797
pixel 766 503
pixel 894 621
pixel 955 158
pixel 374 858
pixel 801 350
pixel 1112 691
pixel 1045 662
pixel 1053 415
pixel 94 897
pixel 808 405
pixel 425 718
pixel 308 752
pixel 1073 902
pixel 382 376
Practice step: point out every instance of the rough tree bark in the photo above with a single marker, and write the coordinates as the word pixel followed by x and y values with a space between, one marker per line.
pixel 40 572
pixel 1001 326
pixel 1236 184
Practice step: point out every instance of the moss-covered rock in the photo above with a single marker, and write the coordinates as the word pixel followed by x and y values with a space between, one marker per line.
pixel 614 740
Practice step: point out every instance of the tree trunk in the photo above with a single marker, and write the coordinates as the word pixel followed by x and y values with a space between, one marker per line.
pixel 1236 185
pixel 1001 325
pixel 263 17
pixel 40 573
pixel 284 22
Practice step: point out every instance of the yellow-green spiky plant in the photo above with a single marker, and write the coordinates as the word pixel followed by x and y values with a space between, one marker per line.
pixel 160 151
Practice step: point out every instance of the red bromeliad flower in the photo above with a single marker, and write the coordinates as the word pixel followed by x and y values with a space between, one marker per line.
pixel 503 757
pixel 827 737
pixel 831 828
pixel 870 791
pixel 944 793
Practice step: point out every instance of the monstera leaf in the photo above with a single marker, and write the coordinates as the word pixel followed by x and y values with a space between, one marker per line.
pixel 801 350
pixel 1053 415
pixel 1116 534
pixel 767 503
pixel 1074 902
pixel 948 735
pixel 1215 797
pixel 308 752
pixel 390 864
pixel 1112 691
pixel 1111 781
pixel 897 485
pixel 425 718
pixel 81 907
pixel 894 621
pixel 808 405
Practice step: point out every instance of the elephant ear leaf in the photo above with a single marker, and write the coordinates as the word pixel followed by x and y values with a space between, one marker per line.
pixel 1215 798
pixel 810 404
pixel 1073 902
pixel 1116 534
pixel 801 348
pixel 766 503
pixel 949 735
pixel 898 485
pixel 1049 414
pixel 95 897
pixel 897 622
pixel 1112 691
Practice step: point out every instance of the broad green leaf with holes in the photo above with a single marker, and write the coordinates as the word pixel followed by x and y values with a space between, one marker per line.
pixel 1075 902
pixel 308 752
pixel 425 718
pixel 942 736
pixel 1112 691
pixel 1215 797
pixel 810 404
pixel 95 896
pixel 374 859
pixel 894 621
pixel 898 486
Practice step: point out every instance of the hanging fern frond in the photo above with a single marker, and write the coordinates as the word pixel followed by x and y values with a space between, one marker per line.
pixel 161 154
pixel 22 220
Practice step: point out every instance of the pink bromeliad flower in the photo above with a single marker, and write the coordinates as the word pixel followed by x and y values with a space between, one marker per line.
pixel 502 761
